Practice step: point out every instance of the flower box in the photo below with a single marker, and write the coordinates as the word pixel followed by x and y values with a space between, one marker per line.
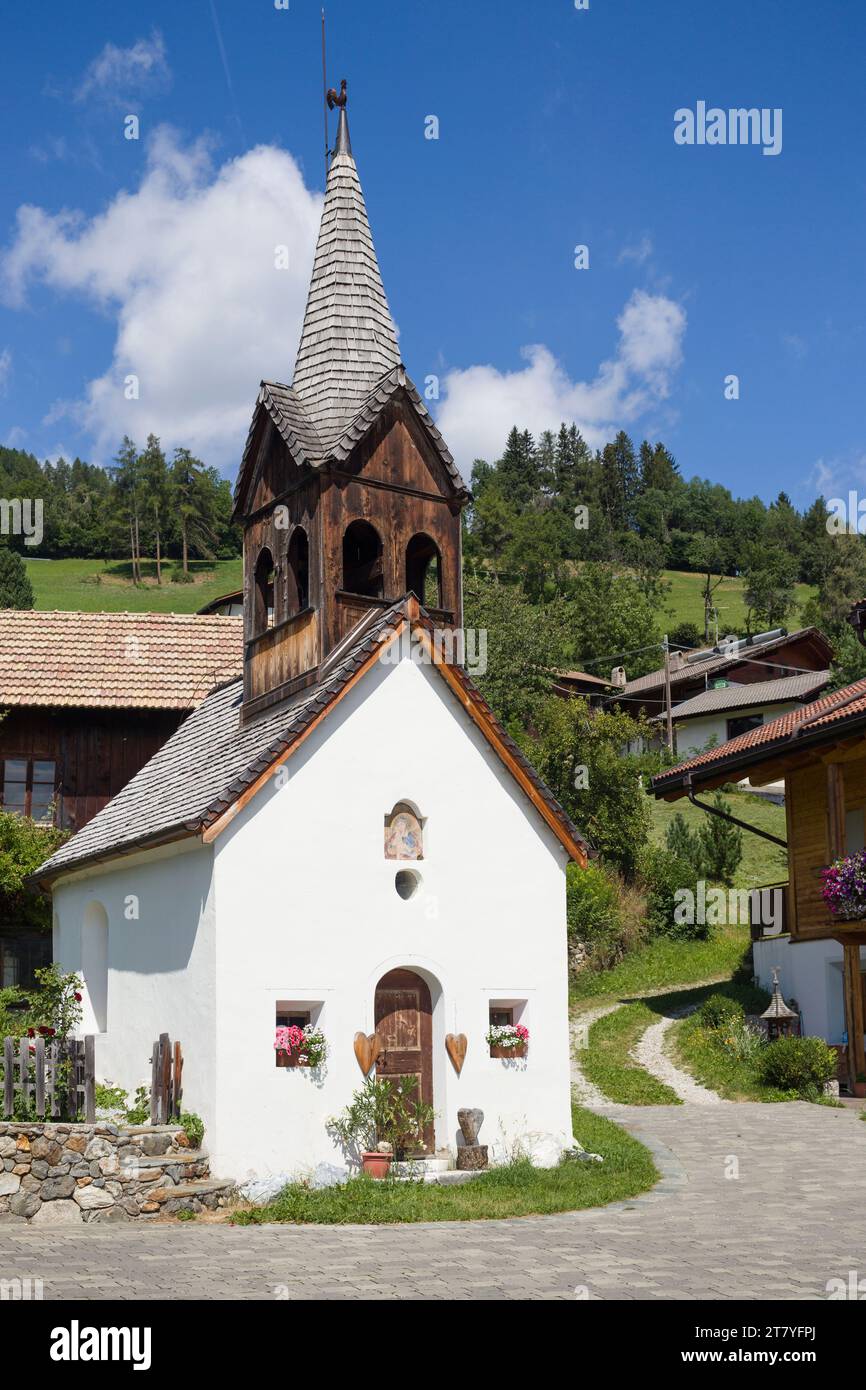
pixel 843 887
pixel 300 1047
pixel 508 1040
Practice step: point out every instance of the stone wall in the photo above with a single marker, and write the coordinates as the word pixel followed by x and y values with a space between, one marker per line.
pixel 53 1173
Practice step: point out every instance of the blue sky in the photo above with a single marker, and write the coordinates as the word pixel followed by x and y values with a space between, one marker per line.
pixel 555 129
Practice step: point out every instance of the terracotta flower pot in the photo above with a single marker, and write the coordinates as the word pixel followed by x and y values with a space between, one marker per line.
pixel 496 1050
pixel 859 1089
pixel 375 1164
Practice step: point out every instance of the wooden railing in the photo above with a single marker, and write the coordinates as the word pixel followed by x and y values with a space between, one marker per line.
pixel 761 908
pixel 282 653
pixel 51 1080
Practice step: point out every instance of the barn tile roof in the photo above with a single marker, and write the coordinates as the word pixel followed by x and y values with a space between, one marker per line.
pixel 826 714
pixel 115 660
pixel 798 687
pixel 213 759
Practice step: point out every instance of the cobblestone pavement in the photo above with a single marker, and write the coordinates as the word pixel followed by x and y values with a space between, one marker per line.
pixel 793 1218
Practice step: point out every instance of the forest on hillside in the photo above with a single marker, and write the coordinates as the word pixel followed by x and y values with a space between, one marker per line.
pixel 143 505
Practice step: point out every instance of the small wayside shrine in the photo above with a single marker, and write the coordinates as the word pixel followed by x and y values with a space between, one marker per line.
pixel 347 493
pixel 343 868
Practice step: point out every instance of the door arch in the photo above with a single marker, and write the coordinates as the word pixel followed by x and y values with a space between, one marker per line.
pixel 403 1016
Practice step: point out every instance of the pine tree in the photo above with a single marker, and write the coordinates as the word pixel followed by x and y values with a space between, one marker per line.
pixel 658 467
pixel 15 588
pixel 193 498
pixel 721 844
pixel 683 842
pixel 517 470
pixel 126 475
pixel 156 489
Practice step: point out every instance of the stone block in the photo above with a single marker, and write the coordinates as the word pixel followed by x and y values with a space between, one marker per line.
pixel 58 1214
pixel 24 1204
pixel 9 1183
pixel 91 1198
pixel 52 1188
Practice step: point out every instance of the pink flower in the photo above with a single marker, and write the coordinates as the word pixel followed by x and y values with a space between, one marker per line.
pixel 78 998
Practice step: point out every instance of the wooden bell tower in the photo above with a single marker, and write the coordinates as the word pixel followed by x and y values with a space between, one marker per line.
pixel 347 493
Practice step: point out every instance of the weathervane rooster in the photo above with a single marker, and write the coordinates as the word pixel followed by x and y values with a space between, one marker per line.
pixel 337 99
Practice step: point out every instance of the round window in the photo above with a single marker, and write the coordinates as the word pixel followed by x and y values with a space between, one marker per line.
pixel 407 882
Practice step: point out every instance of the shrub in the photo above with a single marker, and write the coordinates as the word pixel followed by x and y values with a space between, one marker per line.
pixel 662 875
pixel 803 1065
pixel 182 577
pixel 605 917
pixel 721 845
pixel 718 1010
pixel 193 1126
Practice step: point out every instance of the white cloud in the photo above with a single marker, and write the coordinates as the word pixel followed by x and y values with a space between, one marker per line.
pixel 122 75
pixel 481 403
pixel 186 265
pixel 639 252
pixel 5 369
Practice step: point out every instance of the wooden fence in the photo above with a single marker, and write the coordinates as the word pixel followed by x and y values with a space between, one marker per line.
pixel 166 1089
pixel 34 1070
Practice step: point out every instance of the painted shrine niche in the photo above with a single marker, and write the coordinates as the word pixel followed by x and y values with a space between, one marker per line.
pixel 403 834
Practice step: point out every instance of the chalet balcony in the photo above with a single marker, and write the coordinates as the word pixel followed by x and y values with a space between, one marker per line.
pixel 278 659
pixel 765 917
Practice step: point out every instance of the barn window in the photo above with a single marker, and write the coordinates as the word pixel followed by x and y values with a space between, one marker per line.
pixel 263 614
pixel 404 836
pixel 424 571
pixel 362 560
pixel 28 787
pixel 298 571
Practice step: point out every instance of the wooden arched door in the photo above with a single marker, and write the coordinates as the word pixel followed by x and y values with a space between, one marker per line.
pixel 404 1022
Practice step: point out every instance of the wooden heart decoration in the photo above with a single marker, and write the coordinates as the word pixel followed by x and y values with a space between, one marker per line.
pixel 456 1045
pixel 368 1048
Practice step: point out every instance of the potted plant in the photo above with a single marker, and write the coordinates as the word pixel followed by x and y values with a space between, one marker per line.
pixel 843 886
pixel 508 1039
pixel 859 1087
pixel 384 1120
pixel 300 1047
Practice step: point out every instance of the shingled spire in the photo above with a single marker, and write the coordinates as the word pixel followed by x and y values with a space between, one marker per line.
pixel 348 341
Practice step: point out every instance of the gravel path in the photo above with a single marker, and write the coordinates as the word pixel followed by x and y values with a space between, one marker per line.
pixel 585 1092
pixel 649 1053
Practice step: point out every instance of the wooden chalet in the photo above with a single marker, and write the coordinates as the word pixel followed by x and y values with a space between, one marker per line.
pixel 737 661
pixel 87 699
pixel 819 751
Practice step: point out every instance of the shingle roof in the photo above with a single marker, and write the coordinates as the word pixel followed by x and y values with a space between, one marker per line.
pixel 721 661
pixel 115 660
pixel 798 687
pixel 212 759
pixel 393 381
pixel 348 339
pixel 827 712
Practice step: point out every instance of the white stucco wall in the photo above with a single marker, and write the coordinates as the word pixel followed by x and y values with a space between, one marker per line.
pixel 295 902
pixel 160 964
pixel 811 973
pixel 308 913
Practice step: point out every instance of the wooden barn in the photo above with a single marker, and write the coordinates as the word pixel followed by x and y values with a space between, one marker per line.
pixel 87 699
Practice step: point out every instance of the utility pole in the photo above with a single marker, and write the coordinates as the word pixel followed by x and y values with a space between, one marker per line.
pixel 668 711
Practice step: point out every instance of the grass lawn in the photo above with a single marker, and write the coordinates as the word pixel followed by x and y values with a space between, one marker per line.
pixel 683 604
pixel 665 962
pixel 762 861
pixel 515 1190
pixel 106 585
pixel 606 1062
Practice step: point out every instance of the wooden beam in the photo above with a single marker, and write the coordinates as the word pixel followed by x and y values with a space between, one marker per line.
pixel 854 1010
pixel 847 751
pixel 836 809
